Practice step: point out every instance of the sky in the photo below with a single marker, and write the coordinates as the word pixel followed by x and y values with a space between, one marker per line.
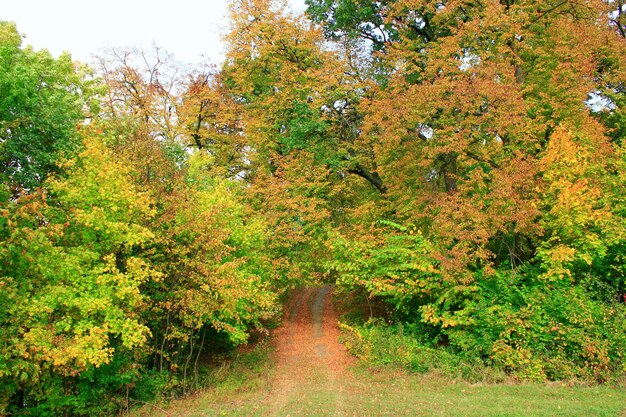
pixel 190 29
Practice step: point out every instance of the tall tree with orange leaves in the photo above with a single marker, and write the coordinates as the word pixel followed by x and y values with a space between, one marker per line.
pixel 487 140
pixel 282 104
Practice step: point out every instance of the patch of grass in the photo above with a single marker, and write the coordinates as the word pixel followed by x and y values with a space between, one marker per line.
pixel 402 394
pixel 242 387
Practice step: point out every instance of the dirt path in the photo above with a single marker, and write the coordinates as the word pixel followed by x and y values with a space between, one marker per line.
pixel 313 377
pixel 312 364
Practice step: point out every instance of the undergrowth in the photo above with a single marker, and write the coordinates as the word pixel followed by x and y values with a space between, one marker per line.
pixel 245 370
pixel 377 343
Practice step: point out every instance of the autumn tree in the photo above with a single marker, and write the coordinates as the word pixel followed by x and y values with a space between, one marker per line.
pixel 217 283
pixel 71 281
pixel 267 110
pixel 139 113
pixel 485 140
pixel 134 260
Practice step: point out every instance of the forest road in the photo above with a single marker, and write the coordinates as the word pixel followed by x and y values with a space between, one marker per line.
pixel 312 368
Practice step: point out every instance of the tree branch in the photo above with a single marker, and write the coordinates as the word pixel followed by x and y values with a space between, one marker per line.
pixel 371 177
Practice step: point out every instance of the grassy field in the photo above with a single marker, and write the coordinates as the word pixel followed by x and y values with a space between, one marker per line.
pixel 243 388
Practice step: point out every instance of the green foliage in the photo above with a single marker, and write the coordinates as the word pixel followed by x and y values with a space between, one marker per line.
pixel 94 275
pixel 42 106
pixel 101 391
pixel 307 131
pixel 580 219
pixel 554 332
pixel 70 277
pixel 216 272
pixel 397 264
pixel 383 344
pixel 353 18
pixel 137 245
pixel 509 320
pixel 521 330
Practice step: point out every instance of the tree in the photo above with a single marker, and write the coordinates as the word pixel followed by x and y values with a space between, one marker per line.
pixel 44 102
pixel 484 138
pixel 71 279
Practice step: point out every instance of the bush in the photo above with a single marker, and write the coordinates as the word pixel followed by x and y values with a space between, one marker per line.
pixel 384 344
pixel 519 327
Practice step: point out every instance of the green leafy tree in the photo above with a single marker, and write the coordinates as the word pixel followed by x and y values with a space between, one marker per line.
pixel 219 283
pixel 71 278
pixel 44 102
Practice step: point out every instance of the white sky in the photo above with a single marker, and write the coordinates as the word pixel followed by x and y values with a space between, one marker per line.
pixel 190 29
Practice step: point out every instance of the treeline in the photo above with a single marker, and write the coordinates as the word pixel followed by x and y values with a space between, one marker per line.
pixel 459 166
pixel 130 253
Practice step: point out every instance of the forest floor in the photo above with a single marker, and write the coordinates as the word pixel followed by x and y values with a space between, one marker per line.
pixel 305 371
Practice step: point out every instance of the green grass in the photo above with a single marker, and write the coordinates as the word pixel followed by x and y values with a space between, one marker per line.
pixel 402 394
pixel 242 387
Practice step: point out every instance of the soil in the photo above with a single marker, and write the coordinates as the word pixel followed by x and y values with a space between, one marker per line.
pixel 309 355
